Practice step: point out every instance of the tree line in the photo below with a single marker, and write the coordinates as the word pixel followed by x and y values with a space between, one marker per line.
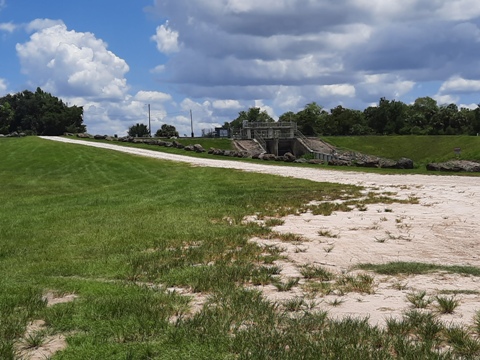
pixel 39 113
pixel 389 117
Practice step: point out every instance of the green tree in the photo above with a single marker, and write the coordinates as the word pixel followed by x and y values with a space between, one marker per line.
pixel 6 118
pixel 312 119
pixel 166 131
pixel 343 121
pixel 138 130
pixel 388 117
pixel 254 114
pixel 40 113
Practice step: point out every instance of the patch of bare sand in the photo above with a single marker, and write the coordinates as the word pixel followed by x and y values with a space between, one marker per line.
pixel 37 343
pixel 442 229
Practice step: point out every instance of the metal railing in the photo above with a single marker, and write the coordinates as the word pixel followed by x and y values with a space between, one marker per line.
pixel 261 141
pixel 269 125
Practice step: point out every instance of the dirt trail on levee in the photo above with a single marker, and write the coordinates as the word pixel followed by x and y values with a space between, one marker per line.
pixel 442 228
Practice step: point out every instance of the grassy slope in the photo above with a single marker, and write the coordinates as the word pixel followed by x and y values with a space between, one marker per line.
pixel 421 149
pixel 100 224
pixel 73 217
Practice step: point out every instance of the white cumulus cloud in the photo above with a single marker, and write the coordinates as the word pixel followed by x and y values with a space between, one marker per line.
pixel 457 84
pixel 8 27
pixel 72 63
pixel 166 39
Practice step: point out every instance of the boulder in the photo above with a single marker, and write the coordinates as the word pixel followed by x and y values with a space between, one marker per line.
pixel 289 157
pixel 314 161
pixel 100 137
pixel 455 166
pixel 268 157
pixel 178 145
pixel 84 136
pixel 189 148
pixel 198 148
pixel 404 163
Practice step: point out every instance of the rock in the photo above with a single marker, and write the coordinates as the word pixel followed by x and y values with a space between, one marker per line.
pixel 404 163
pixel 300 161
pixel 314 161
pixel 198 148
pixel 387 164
pixel 178 145
pixel 289 157
pixel 455 166
pixel 189 148
pixel 268 157
pixel 99 137
pixel 339 162
pixel 84 136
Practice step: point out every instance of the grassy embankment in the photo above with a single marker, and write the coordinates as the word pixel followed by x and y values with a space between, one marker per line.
pixel 421 149
pixel 117 229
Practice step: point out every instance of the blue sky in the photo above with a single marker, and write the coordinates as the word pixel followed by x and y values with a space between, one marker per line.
pixel 218 57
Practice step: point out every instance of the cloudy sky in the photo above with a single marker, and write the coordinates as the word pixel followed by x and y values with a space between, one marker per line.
pixel 218 57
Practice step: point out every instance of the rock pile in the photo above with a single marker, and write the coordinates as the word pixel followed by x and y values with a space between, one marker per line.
pixel 455 166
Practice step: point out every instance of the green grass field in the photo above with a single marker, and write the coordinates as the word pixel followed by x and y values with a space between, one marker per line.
pixel 421 149
pixel 117 230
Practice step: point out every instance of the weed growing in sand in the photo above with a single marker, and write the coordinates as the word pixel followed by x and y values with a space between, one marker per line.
pixel 399 286
pixel 274 222
pixel 316 272
pixel 336 302
pixel 329 249
pixel 288 237
pixel 327 208
pixel 464 345
pixel 327 233
pixel 295 304
pixel 410 268
pixel 33 340
pixel 446 305
pixel 361 283
pixel 476 320
pixel 286 285
pixel 419 300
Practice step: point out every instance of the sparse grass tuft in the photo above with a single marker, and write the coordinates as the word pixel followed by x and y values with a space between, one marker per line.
pixel 327 233
pixel 419 300
pixel 286 285
pixel 295 304
pixel 446 305
pixel 274 222
pixel 316 272
pixel 411 268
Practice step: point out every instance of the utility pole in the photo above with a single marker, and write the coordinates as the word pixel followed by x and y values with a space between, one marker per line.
pixel 191 122
pixel 149 124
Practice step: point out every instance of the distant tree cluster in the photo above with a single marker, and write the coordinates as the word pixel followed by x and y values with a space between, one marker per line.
pixel 423 117
pixel 167 131
pixel 141 130
pixel 39 113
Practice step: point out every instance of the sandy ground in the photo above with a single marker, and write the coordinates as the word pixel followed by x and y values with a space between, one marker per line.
pixel 443 228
